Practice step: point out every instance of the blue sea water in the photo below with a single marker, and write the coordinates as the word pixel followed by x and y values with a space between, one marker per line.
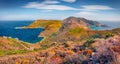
pixel 7 28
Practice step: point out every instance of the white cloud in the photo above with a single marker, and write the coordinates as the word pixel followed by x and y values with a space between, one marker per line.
pixel 56 7
pixel 97 7
pixel 51 2
pixel 71 1
pixel 86 13
pixel 53 5
pixel 47 6
pixel 98 16
pixel 46 10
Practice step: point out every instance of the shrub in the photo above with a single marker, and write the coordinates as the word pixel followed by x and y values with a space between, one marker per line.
pixel 42 48
pixel 96 36
pixel 74 59
pixel 17 51
pixel 2 52
pixel 77 31
pixel 65 44
pixel 89 42
pixel 108 35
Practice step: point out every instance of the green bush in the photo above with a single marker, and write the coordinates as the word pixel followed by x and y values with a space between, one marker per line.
pixel 89 42
pixel 65 44
pixel 17 51
pixel 97 36
pixel 108 35
pixel 36 49
pixel 76 30
pixel 2 52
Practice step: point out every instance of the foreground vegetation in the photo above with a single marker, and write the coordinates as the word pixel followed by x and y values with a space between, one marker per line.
pixel 99 51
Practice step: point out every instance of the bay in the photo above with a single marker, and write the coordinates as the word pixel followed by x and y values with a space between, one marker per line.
pixel 7 28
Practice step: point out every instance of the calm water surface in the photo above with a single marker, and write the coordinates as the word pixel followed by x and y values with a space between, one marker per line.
pixel 7 28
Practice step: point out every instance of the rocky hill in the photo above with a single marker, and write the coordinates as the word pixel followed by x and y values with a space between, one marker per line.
pixel 75 29
pixel 73 22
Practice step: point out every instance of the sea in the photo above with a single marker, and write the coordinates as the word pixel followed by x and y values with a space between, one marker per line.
pixel 8 29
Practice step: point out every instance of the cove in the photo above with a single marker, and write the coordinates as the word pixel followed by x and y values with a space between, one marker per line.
pixel 29 35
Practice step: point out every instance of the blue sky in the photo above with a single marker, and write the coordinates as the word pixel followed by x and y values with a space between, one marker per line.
pixel 101 10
